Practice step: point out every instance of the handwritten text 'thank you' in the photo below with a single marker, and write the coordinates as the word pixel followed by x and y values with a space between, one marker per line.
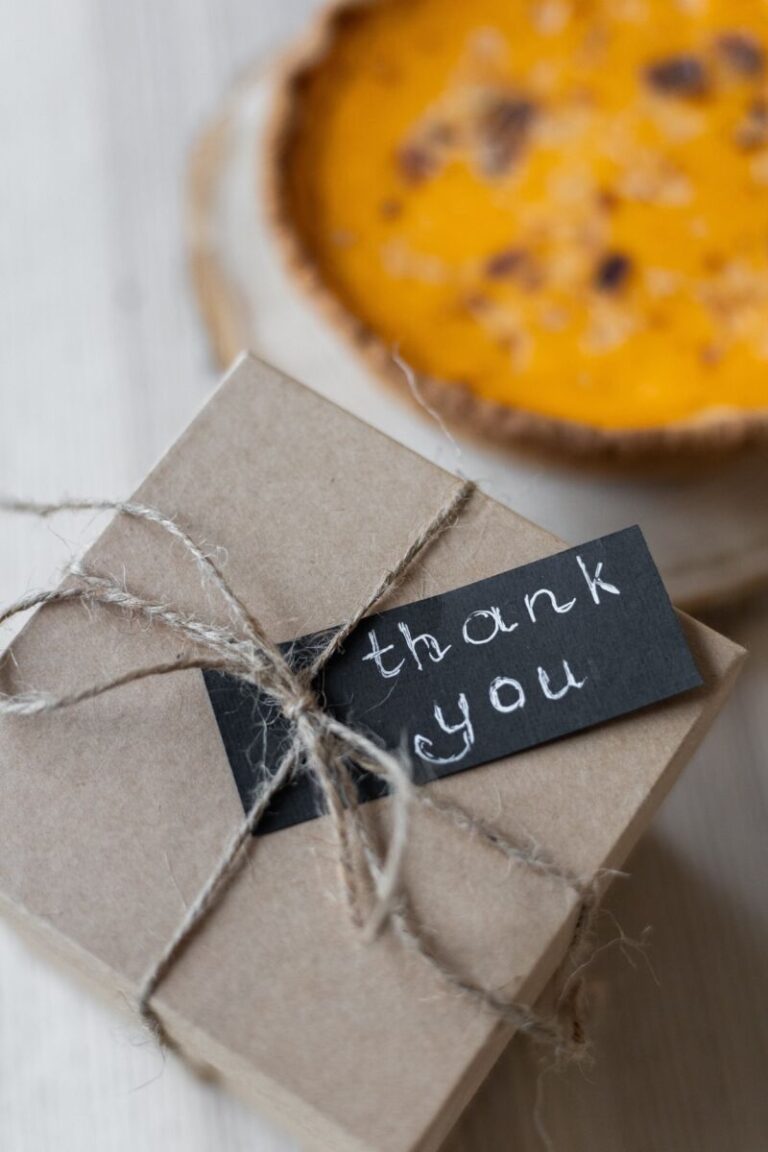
pixel 507 694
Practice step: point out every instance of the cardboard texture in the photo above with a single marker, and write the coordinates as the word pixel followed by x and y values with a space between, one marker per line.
pixel 113 813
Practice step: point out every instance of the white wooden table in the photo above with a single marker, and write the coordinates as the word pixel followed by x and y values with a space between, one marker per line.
pixel 102 362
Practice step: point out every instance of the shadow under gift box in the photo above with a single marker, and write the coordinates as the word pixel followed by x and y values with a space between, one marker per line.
pixel 110 810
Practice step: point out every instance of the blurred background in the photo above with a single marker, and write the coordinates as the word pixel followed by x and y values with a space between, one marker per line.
pixel 104 358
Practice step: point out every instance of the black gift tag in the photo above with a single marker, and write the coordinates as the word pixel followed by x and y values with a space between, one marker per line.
pixel 479 673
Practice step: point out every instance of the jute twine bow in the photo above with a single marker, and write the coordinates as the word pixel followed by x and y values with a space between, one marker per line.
pixel 327 751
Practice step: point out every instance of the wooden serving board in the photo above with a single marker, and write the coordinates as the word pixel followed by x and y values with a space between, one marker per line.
pixel 707 523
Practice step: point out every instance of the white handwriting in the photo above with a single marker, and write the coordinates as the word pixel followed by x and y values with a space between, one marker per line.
pixel 594 582
pixel 495 690
pixel 531 600
pixel 434 651
pixel 493 614
pixel 570 682
pixel 376 654
pixel 422 745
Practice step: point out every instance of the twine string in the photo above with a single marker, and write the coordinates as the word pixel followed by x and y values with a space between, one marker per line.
pixel 325 749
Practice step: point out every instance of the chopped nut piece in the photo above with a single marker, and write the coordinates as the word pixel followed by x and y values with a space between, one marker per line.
pixel 710 354
pixel 390 209
pixel 654 179
pixel 550 17
pixel 612 272
pixel 475 302
pixel 714 261
pixel 608 200
pixel 752 130
pixel 554 319
pixel 416 163
pixel 742 53
pixel 503 131
pixel 682 75
pixel 505 263
pixel 441 133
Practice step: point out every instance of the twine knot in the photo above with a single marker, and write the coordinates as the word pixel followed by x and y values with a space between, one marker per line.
pixel 371 876
pixel 303 706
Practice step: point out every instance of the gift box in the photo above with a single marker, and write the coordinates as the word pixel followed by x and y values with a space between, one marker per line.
pixel 115 811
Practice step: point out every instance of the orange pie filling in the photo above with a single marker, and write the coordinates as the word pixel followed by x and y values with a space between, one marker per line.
pixel 557 206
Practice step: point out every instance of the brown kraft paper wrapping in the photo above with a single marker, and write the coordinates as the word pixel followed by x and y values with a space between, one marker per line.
pixel 113 813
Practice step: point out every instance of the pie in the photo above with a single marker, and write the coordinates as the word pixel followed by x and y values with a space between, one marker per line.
pixel 554 211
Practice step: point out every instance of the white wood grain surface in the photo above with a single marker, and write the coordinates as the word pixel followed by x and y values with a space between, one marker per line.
pixel 102 362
